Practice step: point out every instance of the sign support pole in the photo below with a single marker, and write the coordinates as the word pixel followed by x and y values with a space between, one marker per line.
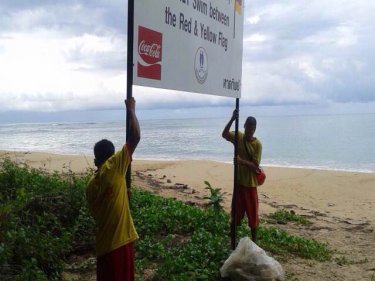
pixel 129 82
pixel 235 188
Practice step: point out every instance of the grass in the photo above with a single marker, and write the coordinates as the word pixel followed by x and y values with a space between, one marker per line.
pixel 44 220
pixel 283 216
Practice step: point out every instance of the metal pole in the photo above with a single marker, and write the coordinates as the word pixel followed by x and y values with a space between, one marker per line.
pixel 234 19
pixel 129 82
pixel 235 189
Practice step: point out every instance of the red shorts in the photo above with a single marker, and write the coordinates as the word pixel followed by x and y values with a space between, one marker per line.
pixel 247 201
pixel 117 265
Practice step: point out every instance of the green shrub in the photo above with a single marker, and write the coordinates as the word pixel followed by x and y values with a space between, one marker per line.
pixel 215 198
pixel 41 217
pixel 184 241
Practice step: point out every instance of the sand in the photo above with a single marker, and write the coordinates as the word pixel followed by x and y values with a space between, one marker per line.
pixel 341 205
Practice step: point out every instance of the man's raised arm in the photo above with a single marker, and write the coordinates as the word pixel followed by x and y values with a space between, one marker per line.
pixel 134 130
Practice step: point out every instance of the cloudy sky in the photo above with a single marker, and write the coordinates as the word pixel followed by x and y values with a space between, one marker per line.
pixel 59 57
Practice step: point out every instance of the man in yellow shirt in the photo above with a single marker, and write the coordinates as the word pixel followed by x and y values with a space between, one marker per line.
pixel 248 160
pixel 108 203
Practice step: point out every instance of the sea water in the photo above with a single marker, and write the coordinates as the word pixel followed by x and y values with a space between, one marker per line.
pixel 330 142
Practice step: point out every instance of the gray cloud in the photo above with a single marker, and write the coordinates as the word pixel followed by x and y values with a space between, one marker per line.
pixel 67 17
pixel 324 47
pixel 295 52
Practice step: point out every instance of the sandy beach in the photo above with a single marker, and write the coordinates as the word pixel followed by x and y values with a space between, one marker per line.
pixel 341 205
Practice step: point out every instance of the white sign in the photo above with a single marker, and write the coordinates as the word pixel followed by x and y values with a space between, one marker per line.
pixel 189 45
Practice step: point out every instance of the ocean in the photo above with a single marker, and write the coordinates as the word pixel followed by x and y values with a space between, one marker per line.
pixel 328 142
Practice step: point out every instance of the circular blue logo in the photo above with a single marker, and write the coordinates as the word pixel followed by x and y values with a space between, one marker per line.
pixel 201 65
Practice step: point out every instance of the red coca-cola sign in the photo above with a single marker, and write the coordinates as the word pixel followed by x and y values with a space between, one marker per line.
pixel 149 53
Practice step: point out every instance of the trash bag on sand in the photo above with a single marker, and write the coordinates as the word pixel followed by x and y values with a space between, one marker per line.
pixel 249 262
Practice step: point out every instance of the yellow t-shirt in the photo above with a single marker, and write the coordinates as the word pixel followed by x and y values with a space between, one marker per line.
pixel 246 177
pixel 108 202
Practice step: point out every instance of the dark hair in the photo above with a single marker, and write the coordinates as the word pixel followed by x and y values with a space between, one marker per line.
pixel 251 121
pixel 103 150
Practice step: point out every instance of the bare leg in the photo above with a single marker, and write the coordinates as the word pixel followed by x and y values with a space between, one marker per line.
pixel 254 234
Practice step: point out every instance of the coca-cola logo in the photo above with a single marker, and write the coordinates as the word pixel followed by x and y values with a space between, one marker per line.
pixel 152 50
pixel 149 53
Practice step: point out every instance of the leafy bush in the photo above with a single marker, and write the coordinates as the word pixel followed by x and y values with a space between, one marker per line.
pixel 186 243
pixel 215 198
pixel 41 221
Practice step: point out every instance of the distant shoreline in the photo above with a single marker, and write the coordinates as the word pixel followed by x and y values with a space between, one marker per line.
pixel 362 171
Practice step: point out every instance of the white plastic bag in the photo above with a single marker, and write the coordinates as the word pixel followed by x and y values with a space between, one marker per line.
pixel 249 262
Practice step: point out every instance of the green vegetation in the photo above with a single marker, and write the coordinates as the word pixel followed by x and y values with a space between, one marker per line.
pixel 44 220
pixel 215 198
pixel 283 216
pixel 185 242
